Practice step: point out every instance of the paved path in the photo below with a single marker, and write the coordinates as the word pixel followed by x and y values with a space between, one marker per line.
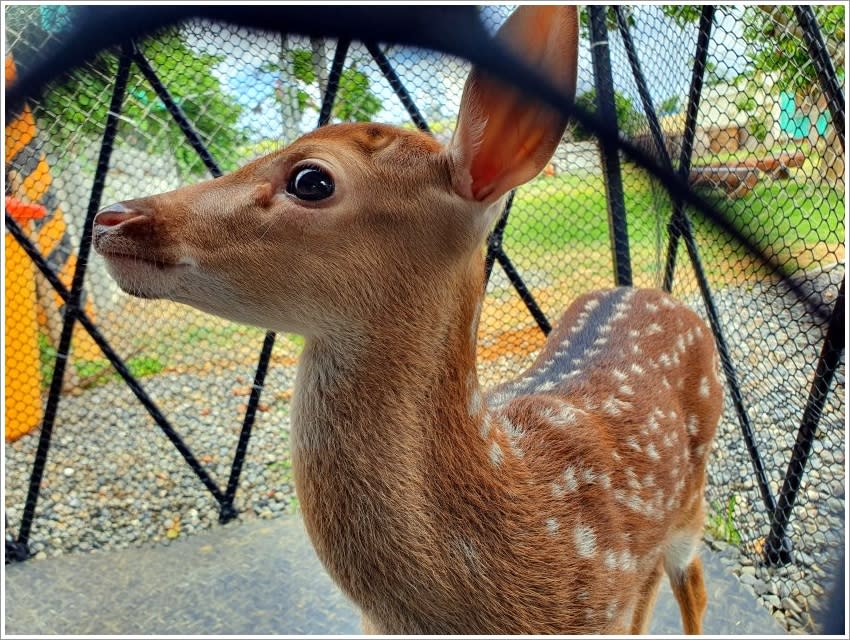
pixel 258 578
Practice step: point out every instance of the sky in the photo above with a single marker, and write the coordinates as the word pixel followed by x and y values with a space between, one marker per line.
pixel 436 82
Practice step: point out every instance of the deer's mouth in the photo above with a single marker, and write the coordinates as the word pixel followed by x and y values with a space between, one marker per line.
pixel 140 271
pixel 130 259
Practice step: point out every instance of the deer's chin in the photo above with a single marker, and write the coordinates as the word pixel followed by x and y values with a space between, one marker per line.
pixel 144 278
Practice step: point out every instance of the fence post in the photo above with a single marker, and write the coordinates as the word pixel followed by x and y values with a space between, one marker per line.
pixel 610 157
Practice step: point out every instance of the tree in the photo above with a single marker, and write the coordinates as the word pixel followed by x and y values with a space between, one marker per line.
pixel 81 102
pixel 299 69
pixel 629 119
pixel 776 48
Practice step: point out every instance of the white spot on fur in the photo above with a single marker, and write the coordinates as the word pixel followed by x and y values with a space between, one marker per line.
pixel 691 425
pixel 618 375
pixel 679 552
pixel 652 308
pixel 591 305
pixel 667 303
pixel 615 407
pixel 700 451
pixel 547 386
pixel 475 402
pixel 557 490
pixel 626 390
pixel 589 476
pixel 552 526
pixel 547 413
pixel 610 560
pixel 511 430
pixel 570 482
pixel 632 443
pixel 634 333
pixel 664 359
pixel 585 539
pixel 637 369
pixel 627 561
pixel 498 400
pixel 636 349
pixel 485 426
pixel 567 416
pixel 611 611
pixel 652 423
pixel 665 383
pixel 652 329
pixel 704 389
pixel 496 454
pixel 652 452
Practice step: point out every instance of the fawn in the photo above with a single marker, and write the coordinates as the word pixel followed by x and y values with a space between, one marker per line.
pixel 552 504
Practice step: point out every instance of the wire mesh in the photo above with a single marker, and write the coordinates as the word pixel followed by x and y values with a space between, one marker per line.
pixel 764 149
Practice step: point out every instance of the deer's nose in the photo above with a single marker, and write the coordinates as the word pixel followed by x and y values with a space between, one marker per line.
pixel 115 214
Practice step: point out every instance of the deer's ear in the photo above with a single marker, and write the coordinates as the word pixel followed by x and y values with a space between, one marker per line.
pixel 502 139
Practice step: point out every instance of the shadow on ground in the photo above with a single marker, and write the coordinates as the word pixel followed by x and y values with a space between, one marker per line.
pixel 257 578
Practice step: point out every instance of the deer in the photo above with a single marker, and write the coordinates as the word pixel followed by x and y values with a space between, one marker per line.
pixel 552 503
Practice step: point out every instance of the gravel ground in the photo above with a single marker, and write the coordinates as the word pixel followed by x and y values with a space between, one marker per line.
pixel 113 480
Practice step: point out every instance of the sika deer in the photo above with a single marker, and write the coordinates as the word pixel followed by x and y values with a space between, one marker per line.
pixel 549 506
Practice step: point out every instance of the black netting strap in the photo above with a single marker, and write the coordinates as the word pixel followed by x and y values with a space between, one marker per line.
pixel 333 81
pixel 778 547
pixel 456 30
pixel 608 149
pixel 398 86
pixel 114 359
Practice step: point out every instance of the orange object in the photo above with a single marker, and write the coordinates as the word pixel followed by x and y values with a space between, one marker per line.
pixel 24 211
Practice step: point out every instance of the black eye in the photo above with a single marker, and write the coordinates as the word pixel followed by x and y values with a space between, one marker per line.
pixel 310 183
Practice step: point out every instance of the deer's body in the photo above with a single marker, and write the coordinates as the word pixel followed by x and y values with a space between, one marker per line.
pixel 547 506
pixel 551 505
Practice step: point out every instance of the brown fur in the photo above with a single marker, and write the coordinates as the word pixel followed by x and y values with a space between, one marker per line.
pixel 433 512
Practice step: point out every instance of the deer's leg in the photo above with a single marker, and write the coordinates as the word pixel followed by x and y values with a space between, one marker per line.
pixel 646 601
pixel 689 589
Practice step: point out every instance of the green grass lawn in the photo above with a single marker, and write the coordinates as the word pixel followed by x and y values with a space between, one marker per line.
pixel 568 214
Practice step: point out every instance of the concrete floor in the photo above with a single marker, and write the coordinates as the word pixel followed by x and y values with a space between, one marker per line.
pixel 257 578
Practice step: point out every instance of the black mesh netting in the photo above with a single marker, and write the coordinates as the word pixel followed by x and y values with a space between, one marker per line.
pixel 762 146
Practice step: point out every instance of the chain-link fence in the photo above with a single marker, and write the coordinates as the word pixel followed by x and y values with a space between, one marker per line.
pixel 740 101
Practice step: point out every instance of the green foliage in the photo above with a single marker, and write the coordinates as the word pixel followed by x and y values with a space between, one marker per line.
pixel 354 100
pixel 628 118
pixel 669 105
pixel 100 371
pixel 775 43
pixel 721 522
pixel 683 15
pixel 81 103
pixel 777 46
pixel 610 19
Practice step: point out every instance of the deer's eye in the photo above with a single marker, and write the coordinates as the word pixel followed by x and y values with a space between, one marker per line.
pixel 310 183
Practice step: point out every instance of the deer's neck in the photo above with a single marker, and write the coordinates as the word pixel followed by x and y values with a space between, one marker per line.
pixel 386 428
